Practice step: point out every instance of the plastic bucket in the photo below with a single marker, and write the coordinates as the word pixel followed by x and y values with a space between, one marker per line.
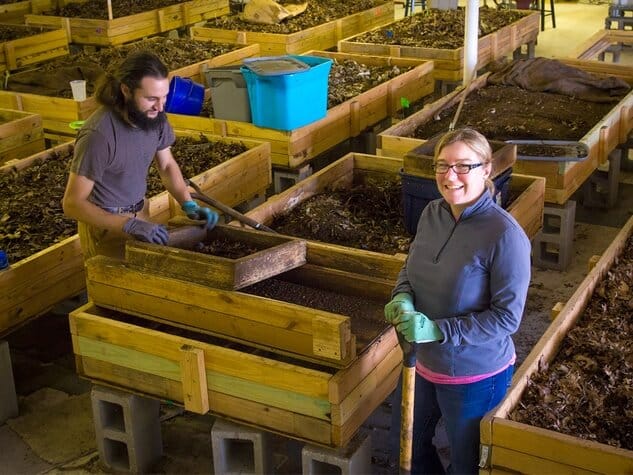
pixel 184 97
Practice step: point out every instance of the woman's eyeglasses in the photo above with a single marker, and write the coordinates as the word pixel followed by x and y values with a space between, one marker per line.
pixel 459 168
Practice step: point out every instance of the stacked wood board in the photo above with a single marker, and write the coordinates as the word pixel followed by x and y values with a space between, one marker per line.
pixel 14 12
pixel 602 42
pixel 33 285
pixel 294 148
pixel 58 112
pixel 49 43
pixel 449 63
pixel 320 37
pixel 562 178
pixel 513 447
pixel 21 134
pixel 90 31
pixel 353 168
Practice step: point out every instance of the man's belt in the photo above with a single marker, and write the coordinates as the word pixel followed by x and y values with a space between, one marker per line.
pixel 125 209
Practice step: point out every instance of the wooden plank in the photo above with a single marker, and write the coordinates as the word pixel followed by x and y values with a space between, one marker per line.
pixel 194 380
pixel 514 462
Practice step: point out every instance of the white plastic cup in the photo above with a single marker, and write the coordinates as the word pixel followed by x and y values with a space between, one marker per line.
pixel 78 87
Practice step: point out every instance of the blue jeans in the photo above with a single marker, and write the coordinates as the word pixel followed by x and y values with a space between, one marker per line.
pixel 462 406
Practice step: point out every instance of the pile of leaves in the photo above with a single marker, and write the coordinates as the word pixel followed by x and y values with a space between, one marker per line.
pixel 8 32
pixel 317 13
pixel 367 216
pixel 442 29
pixel 31 215
pixel 195 155
pixel 587 390
pixel 98 9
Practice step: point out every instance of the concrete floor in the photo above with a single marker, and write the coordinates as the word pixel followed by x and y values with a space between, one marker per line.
pixel 54 432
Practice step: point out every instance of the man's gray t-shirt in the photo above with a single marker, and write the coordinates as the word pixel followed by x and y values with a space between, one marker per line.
pixel 117 157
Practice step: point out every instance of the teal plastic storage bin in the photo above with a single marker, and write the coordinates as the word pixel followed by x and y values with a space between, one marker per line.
pixel 286 98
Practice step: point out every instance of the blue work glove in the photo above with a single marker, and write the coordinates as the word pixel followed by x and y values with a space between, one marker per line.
pixel 401 303
pixel 146 231
pixel 417 327
pixel 195 211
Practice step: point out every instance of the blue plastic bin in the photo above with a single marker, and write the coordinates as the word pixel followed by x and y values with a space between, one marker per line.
pixel 417 192
pixel 184 97
pixel 287 101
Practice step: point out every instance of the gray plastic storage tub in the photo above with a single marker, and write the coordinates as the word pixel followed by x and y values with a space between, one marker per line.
pixel 228 93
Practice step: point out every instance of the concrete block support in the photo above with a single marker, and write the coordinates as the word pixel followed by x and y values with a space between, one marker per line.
pixel 284 178
pixel 553 246
pixel 127 428
pixel 350 460
pixel 240 449
pixel 601 188
pixel 8 398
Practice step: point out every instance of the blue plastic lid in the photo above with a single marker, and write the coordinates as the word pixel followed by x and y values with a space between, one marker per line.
pixel 275 65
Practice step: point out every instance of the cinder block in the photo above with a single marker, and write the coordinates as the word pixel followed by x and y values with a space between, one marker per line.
pixel 284 178
pixel 353 459
pixel 601 188
pixel 248 205
pixel 553 246
pixel 127 428
pixel 8 398
pixel 239 449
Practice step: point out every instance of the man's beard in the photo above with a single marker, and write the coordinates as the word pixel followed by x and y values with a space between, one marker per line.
pixel 140 119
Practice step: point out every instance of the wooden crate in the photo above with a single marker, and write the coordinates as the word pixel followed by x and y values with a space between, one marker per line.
pixel 58 112
pixel 316 404
pixel 121 30
pixel 35 284
pixel 562 178
pixel 515 447
pixel 348 119
pixel 601 42
pixel 48 44
pixel 527 208
pixel 320 37
pixel 274 255
pixel 21 134
pixel 14 12
pixel 449 63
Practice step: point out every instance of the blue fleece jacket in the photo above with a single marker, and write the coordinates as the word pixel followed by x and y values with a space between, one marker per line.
pixel 471 277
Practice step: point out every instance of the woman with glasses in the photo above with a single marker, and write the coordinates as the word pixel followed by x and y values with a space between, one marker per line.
pixel 459 297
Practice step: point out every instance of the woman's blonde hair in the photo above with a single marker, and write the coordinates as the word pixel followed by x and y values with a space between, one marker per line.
pixel 475 141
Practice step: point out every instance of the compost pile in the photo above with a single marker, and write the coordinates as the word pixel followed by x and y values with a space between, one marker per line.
pixel 508 112
pixel 31 215
pixel 367 216
pixel 195 155
pixel 366 316
pixel 98 9
pixel 587 390
pixel 349 78
pixel 223 247
pixel 8 32
pixel 318 12
pixel 433 28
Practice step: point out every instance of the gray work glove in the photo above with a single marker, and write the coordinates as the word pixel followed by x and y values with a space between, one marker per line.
pixel 146 231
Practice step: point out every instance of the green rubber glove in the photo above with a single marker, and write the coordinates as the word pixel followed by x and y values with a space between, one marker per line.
pixel 195 211
pixel 417 327
pixel 401 303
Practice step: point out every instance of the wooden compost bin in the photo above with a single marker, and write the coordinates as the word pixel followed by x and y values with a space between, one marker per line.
pixel 353 168
pixel 316 404
pixel 35 284
pixel 90 31
pixel 562 178
pixel 14 12
pixel 449 63
pixel 348 119
pixel 15 54
pixel 320 37
pixel 602 42
pixel 21 134
pixel 58 112
pixel 513 447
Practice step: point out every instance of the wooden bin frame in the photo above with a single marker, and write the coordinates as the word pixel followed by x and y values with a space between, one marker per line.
pixel 562 178
pixel 15 12
pixel 527 208
pixel 320 37
pixel 59 112
pixel 21 52
pixel 449 63
pixel 21 134
pixel 35 284
pixel 91 31
pixel 294 148
pixel 598 43
pixel 511 447
pixel 285 397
